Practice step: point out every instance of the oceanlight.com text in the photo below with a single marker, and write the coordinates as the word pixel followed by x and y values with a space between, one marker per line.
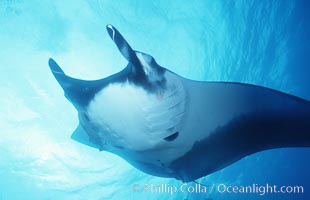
pixel 260 189
pixel 218 188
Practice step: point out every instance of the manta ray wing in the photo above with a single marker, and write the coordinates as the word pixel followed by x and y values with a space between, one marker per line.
pixel 233 120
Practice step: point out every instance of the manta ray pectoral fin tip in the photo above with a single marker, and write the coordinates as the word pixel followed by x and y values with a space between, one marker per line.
pixel 123 46
pixel 51 62
pixel 111 31
pixel 54 67
pixel 109 26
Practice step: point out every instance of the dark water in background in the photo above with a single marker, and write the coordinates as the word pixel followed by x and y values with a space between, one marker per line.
pixel 259 42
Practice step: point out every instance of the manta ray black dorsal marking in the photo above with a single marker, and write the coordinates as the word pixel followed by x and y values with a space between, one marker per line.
pixel 169 126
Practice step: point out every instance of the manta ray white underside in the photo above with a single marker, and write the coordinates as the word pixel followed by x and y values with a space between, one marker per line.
pixel 169 126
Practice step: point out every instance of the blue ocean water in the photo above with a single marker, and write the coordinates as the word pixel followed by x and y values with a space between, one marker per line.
pixel 259 42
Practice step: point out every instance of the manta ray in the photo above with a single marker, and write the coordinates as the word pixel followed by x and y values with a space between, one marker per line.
pixel 169 126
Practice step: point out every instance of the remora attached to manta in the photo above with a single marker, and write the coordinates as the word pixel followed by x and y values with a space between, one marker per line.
pixel 169 126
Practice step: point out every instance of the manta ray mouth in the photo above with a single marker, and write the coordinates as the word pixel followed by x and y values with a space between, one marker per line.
pixel 172 137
